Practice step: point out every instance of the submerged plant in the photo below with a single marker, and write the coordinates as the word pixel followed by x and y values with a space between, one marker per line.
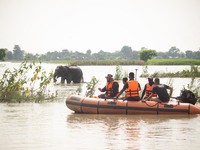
pixel 118 73
pixel 91 87
pixel 195 88
pixel 19 86
pixel 145 72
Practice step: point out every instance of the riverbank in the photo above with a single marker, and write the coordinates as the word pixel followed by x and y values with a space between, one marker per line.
pixel 121 62
pixel 128 62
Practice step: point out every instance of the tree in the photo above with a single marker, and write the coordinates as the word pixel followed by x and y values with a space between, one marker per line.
pixel 18 54
pixel 127 52
pixel 174 52
pixel 88 53
pixel 147 54
pixel 9 55
pixel 189 54
pixel 2 53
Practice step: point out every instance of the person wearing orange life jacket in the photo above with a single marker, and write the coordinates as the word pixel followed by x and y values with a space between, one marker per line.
pixel 148 89
pixel 161 91
pixel 132 88
pixel 111 89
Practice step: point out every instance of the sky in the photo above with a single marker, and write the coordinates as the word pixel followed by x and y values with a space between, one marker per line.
pixel 39 26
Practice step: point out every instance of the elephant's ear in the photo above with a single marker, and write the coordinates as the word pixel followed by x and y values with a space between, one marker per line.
pixel 66 69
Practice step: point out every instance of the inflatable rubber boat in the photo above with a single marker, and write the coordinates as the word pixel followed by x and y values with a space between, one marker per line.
pixel 80 104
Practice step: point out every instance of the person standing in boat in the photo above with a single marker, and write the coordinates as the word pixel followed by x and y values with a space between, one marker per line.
pixel 148 89
pixel 111 89
pixel 161 91
pixel 132 88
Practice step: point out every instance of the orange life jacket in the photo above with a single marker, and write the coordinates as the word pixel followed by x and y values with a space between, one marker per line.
pixel 133 89
pixel 109 88
pixel 149 89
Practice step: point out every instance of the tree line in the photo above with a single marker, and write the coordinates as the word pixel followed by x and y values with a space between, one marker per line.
pixel 126 53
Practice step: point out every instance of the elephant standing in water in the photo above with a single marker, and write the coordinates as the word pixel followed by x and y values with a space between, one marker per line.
pixel 68 73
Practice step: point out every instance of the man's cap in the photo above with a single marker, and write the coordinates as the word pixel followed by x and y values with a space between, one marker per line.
pixel 109 76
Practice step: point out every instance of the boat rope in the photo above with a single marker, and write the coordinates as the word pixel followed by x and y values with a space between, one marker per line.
pixel 151 105
pixel 171 104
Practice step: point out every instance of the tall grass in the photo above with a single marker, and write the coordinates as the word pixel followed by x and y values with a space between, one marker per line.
pixel 98 62
pixel 173 62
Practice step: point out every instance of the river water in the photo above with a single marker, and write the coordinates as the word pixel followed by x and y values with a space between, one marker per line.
pixel 51 125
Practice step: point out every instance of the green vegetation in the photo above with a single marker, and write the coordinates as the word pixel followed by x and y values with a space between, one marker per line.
pixel 2 53
pixel 146 54
pixel 97 62
pixel 173 62
pixel 126 53
pixel 192 73
pixel 129 62
pixel 91 86
pixel 21 86
pixel 118 73
pixel 194 86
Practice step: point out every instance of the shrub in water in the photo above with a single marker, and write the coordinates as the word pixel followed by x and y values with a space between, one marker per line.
pixel 18 86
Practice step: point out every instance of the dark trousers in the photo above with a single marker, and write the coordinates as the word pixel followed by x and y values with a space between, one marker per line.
pixel 136 98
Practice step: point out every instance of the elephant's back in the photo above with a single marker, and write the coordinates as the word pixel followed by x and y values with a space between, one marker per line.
pixel 76 69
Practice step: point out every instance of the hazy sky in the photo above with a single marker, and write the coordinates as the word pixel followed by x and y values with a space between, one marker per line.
pixel 38 26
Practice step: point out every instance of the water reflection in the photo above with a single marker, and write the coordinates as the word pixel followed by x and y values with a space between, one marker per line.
pixel 131 131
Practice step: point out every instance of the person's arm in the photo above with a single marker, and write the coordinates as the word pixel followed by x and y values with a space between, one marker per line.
pixel 170 91
pixel 139 86
pixel 143 92
pixel 102 90
pixel 122 90
pixel 148 98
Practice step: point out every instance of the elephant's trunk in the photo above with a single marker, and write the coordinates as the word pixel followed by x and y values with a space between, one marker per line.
pixel 54 78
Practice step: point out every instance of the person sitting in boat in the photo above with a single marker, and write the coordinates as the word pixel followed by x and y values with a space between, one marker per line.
pixel 148 89
pixel 124 81
pixel 132 88
pixel 111 88
pixel 161 91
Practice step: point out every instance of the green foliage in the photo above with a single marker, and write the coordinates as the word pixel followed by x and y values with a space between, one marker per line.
pixel 98 62
pixel 78 90
pixel 145 72
pixel 126 53
pixel 19 86
pixel 193 87
pixel 173 62
pixel 146 54
pixel 18 54
pixel 91 87
pixel 193 72
pixel 2 53
pixel 118 73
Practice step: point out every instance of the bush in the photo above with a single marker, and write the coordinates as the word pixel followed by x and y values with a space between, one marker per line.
pixel 17 86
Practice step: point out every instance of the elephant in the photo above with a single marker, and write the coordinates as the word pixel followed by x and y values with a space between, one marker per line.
pixel 68 73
